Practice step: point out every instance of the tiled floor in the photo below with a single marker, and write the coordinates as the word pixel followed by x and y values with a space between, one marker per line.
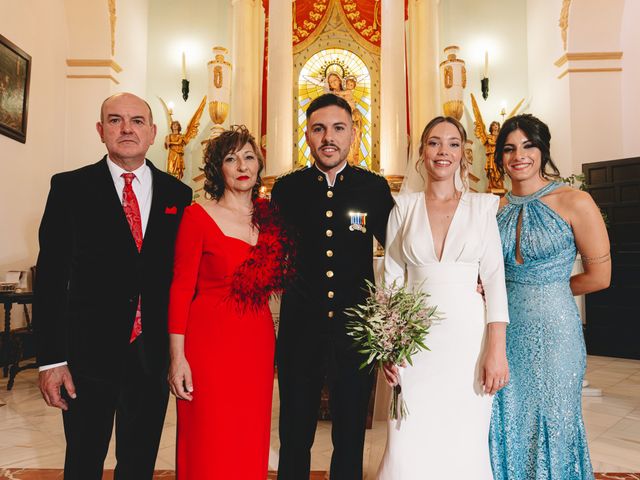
pixel 31 433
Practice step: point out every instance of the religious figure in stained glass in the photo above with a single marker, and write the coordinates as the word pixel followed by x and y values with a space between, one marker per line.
pixel 342 73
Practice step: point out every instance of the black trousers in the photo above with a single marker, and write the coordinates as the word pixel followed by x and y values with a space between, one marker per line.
pixel 138 404
pixel 300 383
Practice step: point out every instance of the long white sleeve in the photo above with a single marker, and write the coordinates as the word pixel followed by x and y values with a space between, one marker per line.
pixel 394 263
pixel 492 267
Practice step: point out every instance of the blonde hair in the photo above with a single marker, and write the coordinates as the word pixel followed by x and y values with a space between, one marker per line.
pixel 464 168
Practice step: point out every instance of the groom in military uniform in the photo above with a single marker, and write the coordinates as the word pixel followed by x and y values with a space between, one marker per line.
pixel 336 210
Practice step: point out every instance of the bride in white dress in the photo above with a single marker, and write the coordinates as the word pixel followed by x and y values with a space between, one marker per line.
pixel 444 239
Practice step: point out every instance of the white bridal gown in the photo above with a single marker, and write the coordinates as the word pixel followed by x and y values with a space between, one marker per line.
pixel 445 434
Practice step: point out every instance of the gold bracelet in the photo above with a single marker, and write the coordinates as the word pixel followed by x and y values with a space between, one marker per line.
pixel 594 260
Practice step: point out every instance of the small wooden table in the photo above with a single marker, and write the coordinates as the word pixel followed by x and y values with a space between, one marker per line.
pixel 11 365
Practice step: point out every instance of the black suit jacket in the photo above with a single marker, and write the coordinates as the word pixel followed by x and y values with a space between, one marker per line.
pixel 333 260
pixel 90 273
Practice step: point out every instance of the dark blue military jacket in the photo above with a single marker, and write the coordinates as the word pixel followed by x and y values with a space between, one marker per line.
pixel 335 227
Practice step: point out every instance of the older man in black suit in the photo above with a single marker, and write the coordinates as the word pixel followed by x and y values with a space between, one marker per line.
pixel 103 275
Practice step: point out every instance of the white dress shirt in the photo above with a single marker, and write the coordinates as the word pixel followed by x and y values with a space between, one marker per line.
pixel 143 188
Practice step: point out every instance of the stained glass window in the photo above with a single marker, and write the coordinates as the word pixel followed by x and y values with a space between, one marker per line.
pixel 344 73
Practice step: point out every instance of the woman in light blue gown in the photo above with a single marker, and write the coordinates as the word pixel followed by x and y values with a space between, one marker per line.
pixel 537 431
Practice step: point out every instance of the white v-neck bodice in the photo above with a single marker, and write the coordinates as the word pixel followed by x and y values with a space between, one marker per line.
pixel 410 220
pixel 472 248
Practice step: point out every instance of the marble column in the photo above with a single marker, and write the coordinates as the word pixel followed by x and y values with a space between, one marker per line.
pixel 245 76
pixel 279 89
pixel 393 119
pixel 424 102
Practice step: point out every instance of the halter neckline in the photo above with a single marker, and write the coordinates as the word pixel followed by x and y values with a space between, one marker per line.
pixel 519 200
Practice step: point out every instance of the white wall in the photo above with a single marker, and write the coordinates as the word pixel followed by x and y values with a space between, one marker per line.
pixel 550 96
pixel 25 169
pixel 131 45
pixel 192 26
pixel 89 37
pixel 596 97
pixel 630 40
pixel 499 26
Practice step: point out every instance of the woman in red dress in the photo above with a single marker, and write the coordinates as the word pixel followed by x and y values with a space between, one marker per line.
pixel 231 255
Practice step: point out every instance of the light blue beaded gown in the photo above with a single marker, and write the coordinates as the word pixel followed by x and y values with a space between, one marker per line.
pixel 537 432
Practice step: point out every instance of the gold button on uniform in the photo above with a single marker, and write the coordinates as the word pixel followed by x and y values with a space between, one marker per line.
pixel 330 273
pixel 329 194
pixel 329 253
pixel 329 213
pixel 329 233
pixel 320 178
pixel 330 314
pixel 330 294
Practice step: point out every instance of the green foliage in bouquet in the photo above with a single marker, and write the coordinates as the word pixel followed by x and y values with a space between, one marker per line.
pixel 390 327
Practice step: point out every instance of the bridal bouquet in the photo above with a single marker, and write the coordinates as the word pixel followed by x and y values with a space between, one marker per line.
pixel 390 327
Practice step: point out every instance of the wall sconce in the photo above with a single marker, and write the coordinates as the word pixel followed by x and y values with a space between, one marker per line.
pixel 185 82
pixel 484 82
pixel 219 91
pixel 454 80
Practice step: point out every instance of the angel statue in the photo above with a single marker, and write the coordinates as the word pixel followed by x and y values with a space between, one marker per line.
pixel 175 142
pixel 488 139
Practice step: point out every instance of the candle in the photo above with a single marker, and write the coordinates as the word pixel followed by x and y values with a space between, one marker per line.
pixel 184 66
pixel 486 64
pixel 170 106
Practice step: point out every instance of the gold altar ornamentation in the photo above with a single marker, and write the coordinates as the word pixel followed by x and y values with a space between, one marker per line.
pixel 217 76
pixel 453 108
pixel 219 91
pixel 176 142
pixel 563 23
pixel 112 23
pixel 218 111
pixel 454 80
pixel 306 27
pixel 376 15
pixel 448 76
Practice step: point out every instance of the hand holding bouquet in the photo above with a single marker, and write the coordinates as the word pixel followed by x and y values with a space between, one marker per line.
pixel 390 327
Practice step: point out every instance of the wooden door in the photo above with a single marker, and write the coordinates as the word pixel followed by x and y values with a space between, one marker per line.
pixel 613 315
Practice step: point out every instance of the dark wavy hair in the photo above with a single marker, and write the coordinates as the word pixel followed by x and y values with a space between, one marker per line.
pixel 326 100
pixel 538 134
pixel 217 149
pixel 463 137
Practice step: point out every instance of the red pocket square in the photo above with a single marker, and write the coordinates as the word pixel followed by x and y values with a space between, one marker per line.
pixel 170 210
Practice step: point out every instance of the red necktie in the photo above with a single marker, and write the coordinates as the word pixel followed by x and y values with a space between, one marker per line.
pixel 132 212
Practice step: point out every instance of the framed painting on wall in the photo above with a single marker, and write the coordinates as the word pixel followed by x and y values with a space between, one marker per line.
pixel 15 70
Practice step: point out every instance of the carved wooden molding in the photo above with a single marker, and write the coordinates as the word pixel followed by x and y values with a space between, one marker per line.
pixel 94 62
pixel 95 76
pixel 589 70
pixel 581 56
pixel 563 22
pixel 112 21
